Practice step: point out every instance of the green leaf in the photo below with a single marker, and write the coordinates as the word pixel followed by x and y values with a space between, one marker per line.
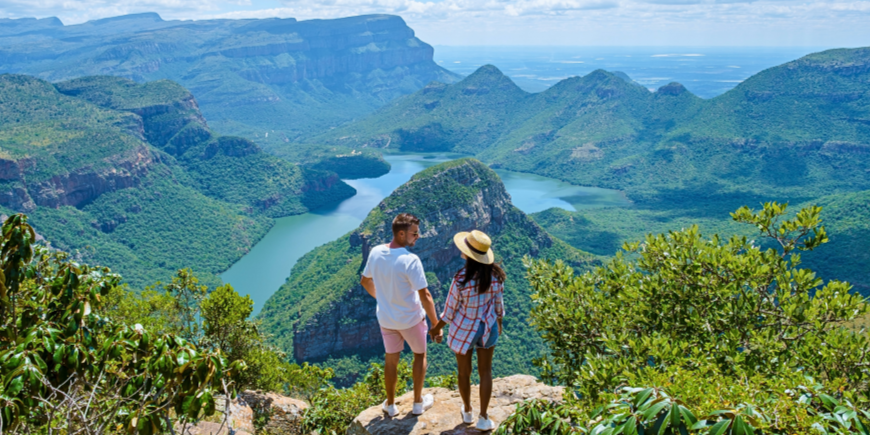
pixel 182 358
pixel 688 418
pixel 15 386
pixel 828 401
pixel 719 428
pixel 739 428
pixel 642 397
pixel 654 410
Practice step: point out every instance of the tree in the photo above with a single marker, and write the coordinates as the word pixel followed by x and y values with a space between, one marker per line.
pixel 65 366
pixel 709 323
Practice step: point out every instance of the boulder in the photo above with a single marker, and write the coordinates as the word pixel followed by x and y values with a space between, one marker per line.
pixel 211 428
pixel 282 415
pixel 444 417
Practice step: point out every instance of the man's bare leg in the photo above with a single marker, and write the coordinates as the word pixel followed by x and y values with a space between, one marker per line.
pixel 391 375
pixel 419 376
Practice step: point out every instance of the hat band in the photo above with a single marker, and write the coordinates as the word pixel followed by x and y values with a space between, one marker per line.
pixel 473 249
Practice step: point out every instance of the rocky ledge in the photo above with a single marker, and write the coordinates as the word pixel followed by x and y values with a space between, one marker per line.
pixel 444 418
pixel 274 414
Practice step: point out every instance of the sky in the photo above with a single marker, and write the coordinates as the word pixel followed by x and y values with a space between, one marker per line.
pixel 799 23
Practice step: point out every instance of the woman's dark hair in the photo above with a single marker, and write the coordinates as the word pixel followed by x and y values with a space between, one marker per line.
pixel 483 273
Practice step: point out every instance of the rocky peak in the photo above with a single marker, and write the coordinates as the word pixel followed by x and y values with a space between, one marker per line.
pixel 672 88
pixel 486 79
pixel 448 198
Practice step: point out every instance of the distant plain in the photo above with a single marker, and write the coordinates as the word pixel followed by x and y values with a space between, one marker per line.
pixel 705 71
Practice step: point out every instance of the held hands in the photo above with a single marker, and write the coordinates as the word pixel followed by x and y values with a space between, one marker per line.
pixel 437 334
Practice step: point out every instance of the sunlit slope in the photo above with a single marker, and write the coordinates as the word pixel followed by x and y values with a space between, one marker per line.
pixel 465 116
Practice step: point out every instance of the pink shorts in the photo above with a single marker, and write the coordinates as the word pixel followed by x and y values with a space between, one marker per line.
pixel 394 339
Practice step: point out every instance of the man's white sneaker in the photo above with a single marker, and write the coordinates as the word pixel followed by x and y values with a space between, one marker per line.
pixel 421 407
pixel 391 410
pixel 485 424
pixel 467 418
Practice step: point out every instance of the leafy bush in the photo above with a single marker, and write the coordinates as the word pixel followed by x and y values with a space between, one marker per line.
pixel 723 330
pixel 217 320
pixel 65 365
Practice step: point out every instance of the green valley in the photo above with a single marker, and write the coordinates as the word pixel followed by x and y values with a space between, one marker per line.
pixel 130 176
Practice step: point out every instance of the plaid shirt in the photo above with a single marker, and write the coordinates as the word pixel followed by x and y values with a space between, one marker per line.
pixel 465 309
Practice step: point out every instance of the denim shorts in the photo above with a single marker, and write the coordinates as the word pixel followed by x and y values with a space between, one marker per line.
pixel 478 337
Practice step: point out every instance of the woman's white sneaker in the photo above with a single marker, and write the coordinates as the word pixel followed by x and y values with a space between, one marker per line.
pixel 419 408
pixel 467 417
pixel 391 410
pixel 485 424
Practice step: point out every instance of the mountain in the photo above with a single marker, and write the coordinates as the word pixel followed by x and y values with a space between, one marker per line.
pixel 797 133
pixel 463 117
pixel 800 130
pixel 271 80
pixel 130 176
pixel 322 311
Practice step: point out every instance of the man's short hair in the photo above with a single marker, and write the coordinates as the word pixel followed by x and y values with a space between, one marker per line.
pixel 404 221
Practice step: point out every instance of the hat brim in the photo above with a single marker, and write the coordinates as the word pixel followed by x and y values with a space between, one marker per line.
pixel 459 241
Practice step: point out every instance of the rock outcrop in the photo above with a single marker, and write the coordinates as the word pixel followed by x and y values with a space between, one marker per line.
pixel 254 411
pixel 456 196
pixel 82 185
pixel 444 418
pixel 281 414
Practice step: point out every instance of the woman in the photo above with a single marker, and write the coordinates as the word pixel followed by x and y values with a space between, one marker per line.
pixel 474 311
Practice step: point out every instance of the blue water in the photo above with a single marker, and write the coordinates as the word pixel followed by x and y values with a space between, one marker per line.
pixel 262 270
pixel 706 71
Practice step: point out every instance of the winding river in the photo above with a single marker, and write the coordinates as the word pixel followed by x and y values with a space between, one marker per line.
pixel 265 268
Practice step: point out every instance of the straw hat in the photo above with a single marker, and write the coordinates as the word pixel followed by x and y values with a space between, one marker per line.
pixel 475 245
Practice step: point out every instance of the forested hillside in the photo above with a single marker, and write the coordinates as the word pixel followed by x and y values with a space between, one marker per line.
pixel 798 129
pixel 130 176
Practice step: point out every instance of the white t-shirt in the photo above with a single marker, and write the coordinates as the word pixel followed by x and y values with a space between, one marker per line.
pixel 398 275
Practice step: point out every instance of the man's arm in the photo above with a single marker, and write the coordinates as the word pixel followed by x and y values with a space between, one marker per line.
pixel 369 285
pixel 428 305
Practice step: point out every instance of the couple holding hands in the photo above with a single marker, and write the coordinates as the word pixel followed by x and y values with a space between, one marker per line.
pixel 474 310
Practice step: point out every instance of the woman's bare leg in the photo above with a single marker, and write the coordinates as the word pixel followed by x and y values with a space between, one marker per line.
pixel 463 378
pixel 484 370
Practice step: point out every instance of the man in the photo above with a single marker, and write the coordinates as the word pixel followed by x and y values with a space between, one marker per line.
pixel 395 278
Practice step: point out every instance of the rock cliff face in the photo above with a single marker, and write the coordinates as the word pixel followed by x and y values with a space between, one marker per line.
pixel 79 186
pixel 262 75
pixel 448 198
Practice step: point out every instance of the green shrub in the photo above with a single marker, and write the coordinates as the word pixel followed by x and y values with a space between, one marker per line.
pixel 65 365
pixel 711 335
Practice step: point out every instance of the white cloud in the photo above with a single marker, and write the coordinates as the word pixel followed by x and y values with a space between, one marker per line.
pixel 529 22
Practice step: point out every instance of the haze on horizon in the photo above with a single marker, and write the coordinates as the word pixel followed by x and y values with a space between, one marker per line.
pixel 804 23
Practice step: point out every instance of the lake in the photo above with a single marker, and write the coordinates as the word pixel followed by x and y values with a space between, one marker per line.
pixel 265 268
